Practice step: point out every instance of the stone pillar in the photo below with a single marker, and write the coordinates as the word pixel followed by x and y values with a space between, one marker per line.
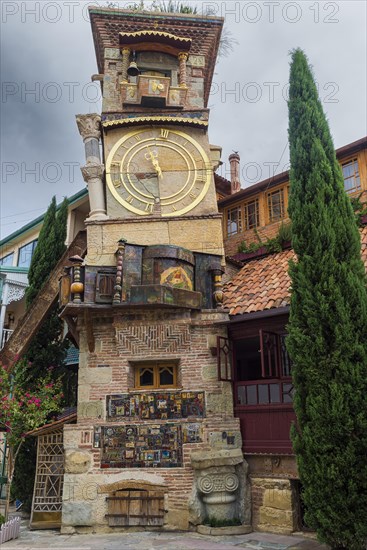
pixel 89 129
pixel 182 57
pixel 125 64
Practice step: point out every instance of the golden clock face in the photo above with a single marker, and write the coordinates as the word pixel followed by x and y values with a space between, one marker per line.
pixel 158 171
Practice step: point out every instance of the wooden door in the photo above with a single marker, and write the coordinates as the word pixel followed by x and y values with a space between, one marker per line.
pixel 135 507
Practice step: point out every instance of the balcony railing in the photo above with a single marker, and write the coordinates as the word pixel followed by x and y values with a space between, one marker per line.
pixel 5 335
pixel 265 410
pixel 264 392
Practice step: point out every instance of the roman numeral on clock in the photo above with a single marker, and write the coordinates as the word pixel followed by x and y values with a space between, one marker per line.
pixel 164 133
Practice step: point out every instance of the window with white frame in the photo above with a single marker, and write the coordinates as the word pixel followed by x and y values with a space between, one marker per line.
pixel 251 214
pixel 352 181
pixel 276 205
pixel 234 221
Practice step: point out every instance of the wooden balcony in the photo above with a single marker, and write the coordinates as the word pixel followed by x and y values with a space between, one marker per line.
pixel 266 413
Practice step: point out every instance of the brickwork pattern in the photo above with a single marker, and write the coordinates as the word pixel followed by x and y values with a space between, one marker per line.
pixel 158 338
pixel 140 336
pixel 263 233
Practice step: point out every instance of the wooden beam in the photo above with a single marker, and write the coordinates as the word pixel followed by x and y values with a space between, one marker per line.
pixel 28 326
pixel 89 329
pixel 72 329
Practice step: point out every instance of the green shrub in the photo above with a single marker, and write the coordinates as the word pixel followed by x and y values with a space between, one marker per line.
pixel 216 522
pixel 285 232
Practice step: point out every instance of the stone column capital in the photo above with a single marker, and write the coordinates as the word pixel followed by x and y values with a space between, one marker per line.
pixel 89 126
pixel 183 56
pixel 92 171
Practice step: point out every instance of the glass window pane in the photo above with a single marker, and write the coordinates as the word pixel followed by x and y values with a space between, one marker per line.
pixel 146 377
pixel 7 260
pixel 241 395
pixel 288 393
pixel 347 170
pixel 276 205
pixel 26 253
pixel 351 176
pixel 263 393
pixel 251 395
pixel 234 222
pixel 274 393
pixel 251 210
pixel 166 376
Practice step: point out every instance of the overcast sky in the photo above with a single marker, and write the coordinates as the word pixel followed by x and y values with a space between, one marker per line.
pixel 47 59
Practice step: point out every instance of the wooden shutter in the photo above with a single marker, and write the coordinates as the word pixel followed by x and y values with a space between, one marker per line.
pixel 224 359
pixel 269 350
pixel 105 284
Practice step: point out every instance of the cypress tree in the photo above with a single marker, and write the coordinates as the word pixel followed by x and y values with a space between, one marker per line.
pixel 39 267
pixel 47 348
pixel 328 326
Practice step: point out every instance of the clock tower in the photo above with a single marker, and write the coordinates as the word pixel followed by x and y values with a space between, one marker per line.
pixel 155 434
pixel 155 72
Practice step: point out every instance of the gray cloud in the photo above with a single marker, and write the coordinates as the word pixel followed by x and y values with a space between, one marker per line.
pixel 248 105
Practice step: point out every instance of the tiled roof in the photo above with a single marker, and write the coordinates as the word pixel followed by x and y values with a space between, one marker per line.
pixel 265 284
pixel 70 418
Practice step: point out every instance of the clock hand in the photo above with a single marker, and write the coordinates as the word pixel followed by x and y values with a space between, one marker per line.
pixel 153 157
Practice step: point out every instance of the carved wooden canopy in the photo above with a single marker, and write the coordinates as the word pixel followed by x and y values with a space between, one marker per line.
pixel 154 40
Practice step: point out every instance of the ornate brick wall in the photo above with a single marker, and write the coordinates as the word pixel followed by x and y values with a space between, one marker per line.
pixel 122 340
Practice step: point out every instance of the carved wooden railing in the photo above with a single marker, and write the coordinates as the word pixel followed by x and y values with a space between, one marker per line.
pixel 27 327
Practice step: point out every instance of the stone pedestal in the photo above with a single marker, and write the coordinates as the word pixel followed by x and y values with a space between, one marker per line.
pixel 221 489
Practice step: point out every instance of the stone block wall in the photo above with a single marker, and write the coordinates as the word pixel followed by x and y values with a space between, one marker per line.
pixel 274 505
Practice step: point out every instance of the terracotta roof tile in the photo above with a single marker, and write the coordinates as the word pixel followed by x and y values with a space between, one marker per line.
pixel 264 283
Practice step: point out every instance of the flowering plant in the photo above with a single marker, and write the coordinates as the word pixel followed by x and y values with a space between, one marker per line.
pixel 23 410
